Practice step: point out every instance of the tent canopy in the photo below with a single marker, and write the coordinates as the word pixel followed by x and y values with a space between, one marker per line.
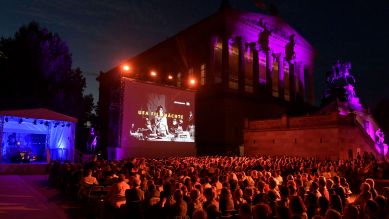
pixel 34 132
pixel 39 113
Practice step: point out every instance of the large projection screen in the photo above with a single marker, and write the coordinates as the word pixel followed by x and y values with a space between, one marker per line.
pixel 156 121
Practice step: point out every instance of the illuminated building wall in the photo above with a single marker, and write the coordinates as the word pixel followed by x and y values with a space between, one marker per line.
pixel 255 67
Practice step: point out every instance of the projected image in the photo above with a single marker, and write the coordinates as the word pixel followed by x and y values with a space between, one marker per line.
pixel 154 113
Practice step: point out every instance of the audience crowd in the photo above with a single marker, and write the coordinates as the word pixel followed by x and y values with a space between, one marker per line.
pixel 229 187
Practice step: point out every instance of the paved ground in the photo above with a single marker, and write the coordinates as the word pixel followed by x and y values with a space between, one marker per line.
pixel 29 196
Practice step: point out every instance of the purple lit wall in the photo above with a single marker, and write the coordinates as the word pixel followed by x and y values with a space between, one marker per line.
pixel 280 47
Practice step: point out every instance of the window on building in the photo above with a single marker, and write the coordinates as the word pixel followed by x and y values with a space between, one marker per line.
pixel 218 62
pixel 262 67
pixel 286 81
pixel 249 70
pixel 275 76
pixel 202 74
pixel 234 66
pixel 296 78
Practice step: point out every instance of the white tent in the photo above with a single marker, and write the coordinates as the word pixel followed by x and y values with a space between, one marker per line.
pixel 36 135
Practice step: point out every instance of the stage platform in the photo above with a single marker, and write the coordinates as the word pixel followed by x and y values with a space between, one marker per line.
pixel 23 168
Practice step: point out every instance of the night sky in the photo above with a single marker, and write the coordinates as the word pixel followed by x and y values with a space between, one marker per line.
pixel 103 33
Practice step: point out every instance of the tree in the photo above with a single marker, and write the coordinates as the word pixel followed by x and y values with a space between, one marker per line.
pixel 2 56
pixel 36 71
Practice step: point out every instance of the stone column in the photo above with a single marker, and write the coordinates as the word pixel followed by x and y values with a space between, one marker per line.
pixel 311 90
pixel 225 61
pixel 301 81
pixel 254 49
pixel 241 67
pixel 269 68
pixel 292 82
pixel 281 77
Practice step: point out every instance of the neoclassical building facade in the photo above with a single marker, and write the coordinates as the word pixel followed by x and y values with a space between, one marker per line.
pixel 242 65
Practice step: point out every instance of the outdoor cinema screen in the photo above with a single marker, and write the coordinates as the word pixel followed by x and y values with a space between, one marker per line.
pixel 153 113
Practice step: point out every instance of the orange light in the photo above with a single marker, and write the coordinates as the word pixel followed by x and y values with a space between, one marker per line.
pixel 153 73
pixel 126 68
pixel 192 81
pixel 170 77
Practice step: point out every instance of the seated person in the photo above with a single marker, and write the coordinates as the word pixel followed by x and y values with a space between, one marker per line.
pixel 117 194
pixel 87 182
pixel 176 128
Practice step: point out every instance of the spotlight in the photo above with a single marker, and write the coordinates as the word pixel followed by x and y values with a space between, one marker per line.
pixel 153 74
pixel 170 77
pixel 192 81
pixel 126 68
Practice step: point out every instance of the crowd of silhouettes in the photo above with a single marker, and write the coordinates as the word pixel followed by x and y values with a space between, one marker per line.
pixel 230 187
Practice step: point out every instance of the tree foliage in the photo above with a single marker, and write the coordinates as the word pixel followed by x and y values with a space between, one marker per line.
pixel 36 71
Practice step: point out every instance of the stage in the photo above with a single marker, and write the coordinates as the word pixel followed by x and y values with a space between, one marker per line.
pixel 36 135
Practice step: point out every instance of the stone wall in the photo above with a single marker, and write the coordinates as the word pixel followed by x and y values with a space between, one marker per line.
pixel 324 137
pixel 320 142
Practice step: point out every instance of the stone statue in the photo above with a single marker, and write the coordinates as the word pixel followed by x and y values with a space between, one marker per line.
pixel 263 38
pixel 380 137
pixel 289 48
pixel 345 73
pixel 340 74
pixel 340 84
pixel 350 92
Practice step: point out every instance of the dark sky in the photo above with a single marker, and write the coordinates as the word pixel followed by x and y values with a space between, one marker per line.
pixel 103 33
